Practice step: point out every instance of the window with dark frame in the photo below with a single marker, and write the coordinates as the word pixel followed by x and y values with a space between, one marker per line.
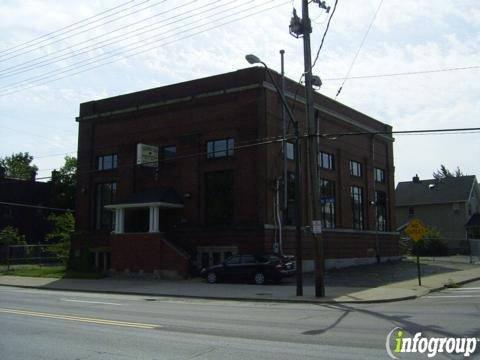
pixel 355 168
pixel 169 152
pixel 222 148
pixel 379 175
pixel 219 197
pixel 356 194
pixel 411 212
pixel 327 203
pixel 291 203
pixel 381 210
pixel 104 195
pixel 107 162
pixel 327 161
pixel 290 151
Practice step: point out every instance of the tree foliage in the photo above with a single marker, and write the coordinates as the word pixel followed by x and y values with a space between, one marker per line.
pixel 19 166
pixel 444 173
pixel 10 236
pixel 63 226
pixel 64 183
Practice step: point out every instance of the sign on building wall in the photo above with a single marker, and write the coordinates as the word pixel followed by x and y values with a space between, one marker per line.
pixel 147 155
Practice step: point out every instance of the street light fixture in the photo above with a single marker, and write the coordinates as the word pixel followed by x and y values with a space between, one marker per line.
pixel 252 59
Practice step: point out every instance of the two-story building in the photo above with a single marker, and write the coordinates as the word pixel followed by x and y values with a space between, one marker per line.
pixel 195 171
pixel 450 205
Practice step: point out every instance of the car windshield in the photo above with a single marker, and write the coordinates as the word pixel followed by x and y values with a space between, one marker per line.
pixel 233 260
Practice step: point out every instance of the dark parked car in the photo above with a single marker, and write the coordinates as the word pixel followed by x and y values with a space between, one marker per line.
pixel 257 268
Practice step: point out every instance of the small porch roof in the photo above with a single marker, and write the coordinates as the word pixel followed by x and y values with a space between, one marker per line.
pixel 164 197
pixel 474 221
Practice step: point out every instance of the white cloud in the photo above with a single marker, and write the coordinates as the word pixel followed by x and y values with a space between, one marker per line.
pixel 407 35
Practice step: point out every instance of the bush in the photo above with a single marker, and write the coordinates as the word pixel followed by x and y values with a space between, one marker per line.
pixel 10 236
pixel 431 244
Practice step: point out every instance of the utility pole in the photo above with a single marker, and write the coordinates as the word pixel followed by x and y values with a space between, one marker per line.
pixel 303 28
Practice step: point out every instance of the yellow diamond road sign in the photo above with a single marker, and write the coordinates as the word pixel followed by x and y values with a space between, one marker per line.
pixel 415 229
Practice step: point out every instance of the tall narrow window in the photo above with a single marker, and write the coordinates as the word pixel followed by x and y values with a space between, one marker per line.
pixel 381 210
pixel 169 152
pixel 222 148
pixel 104 195
pixel 290 151
pixel 327 203
pixel 327 161
pixel 379 175
pixel 355 168
pixel 291 203
pixel 107 162
pixel 219 197
pixel 357 207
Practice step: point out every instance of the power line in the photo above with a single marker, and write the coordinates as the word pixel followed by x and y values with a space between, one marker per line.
pixel 53 58
pixel 246 144
pixel 406 73
pixel 122 56
pixel 325 34
pixel 63 28
pixel 3 59
pixel 359 48
pixel 35 206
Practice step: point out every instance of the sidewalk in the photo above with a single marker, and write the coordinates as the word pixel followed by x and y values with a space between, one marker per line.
pixel 366 284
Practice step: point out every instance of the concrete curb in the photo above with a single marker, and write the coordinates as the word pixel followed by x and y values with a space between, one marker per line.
pixel 263 300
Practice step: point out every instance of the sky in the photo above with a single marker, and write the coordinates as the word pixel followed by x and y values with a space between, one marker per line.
pixel 55 55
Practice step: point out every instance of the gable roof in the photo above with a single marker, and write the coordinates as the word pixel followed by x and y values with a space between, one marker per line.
pixel 161 195
pixel 432 191
pixel 474 221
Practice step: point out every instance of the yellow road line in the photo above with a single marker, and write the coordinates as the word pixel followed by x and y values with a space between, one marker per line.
pixel 80 319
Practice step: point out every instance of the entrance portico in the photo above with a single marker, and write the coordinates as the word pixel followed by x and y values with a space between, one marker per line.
pixel 151 200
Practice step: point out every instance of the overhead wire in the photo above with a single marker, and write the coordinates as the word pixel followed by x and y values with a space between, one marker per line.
pixel 324 34
pixel 246 144
pixel 34 64
pixel 123 56
pixel 63 28
pixel 359 48
pixel 2 59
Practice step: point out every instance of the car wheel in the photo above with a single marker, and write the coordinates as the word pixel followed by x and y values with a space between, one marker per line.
pixel 211 278
pixel 259 278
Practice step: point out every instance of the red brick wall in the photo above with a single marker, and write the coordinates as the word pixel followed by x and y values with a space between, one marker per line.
pixel 147 252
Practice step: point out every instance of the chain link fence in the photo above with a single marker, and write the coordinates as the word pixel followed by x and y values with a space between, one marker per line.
pixel 14 256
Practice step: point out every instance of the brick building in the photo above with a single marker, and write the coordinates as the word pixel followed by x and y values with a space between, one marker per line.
pixel 21 203
pixel 212 189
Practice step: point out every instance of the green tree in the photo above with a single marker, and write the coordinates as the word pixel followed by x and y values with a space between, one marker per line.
pixel 19 166
pixel 10 236
pixel 431 244
pixel 63 226
pixel 444 173
pixel 63 184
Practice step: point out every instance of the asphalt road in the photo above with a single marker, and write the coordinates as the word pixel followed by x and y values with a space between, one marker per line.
pixel 41 324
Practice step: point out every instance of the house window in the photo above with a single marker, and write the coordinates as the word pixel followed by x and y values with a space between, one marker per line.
pixel 355 168
pixel 104 195
pixel 219 197
pixel 357 207
pixel 169 152
pixel 290 151
pixel 291 203
pixel 381 210
pixel 326 161
pixel 327 203
pixel 222 148
pixel 107 162
pixel 411 212
pixel 379 175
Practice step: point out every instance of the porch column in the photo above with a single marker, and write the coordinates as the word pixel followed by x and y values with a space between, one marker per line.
pixel 154 221
pixel 119 221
